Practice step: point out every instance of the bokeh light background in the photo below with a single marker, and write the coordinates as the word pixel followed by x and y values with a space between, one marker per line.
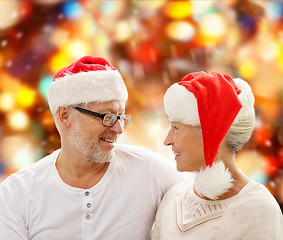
pixel 153 44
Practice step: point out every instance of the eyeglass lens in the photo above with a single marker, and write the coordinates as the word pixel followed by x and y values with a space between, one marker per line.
pixel 110 119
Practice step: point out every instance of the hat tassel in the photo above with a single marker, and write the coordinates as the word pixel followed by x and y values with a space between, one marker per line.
pixel 213 181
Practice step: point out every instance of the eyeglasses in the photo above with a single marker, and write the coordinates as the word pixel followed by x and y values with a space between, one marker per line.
pixel 108 119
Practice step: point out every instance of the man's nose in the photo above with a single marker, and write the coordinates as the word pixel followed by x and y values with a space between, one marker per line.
pixel 117 127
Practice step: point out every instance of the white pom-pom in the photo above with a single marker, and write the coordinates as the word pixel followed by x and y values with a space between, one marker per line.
pixel 213 181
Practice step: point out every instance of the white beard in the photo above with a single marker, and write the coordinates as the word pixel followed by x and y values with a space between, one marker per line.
pixel 88 148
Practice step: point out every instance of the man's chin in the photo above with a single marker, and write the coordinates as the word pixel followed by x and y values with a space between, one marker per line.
pixel 102 157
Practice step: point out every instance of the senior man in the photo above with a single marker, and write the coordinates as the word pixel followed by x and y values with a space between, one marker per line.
pixel 90 188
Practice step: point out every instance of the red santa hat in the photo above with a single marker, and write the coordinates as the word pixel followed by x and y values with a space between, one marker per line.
pixel 89 79
pixel 214 102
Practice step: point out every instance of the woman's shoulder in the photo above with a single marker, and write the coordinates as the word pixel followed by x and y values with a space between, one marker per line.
pixel 256 196
pixel 180 188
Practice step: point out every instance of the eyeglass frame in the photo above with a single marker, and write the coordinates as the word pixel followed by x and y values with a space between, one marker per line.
pixel 102 116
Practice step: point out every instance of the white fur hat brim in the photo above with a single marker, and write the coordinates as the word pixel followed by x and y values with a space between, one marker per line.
pixel 246 98
pixel 181 105
pixel 86 87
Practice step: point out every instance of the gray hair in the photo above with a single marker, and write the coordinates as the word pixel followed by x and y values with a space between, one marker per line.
pixel 240 133
pixel 55 116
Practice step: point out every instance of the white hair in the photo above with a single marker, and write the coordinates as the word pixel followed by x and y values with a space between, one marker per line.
pixel 240 133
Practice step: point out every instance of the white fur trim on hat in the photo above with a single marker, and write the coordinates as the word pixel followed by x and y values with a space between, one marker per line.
pixel 246 98
pixel 181 105
pixel 85 87
pixel 213 181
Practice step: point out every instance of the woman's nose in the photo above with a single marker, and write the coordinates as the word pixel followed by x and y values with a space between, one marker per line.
pixel 168 139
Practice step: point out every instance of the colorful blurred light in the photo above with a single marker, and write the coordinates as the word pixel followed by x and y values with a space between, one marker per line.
pixel 58 61
pixel 101 42
pixel 251 162
pixel 69 52
pixel 108 7
pixel 18 120
pixel 26 8
pixel 4 43
pixel 25 97
pixel 180 31
pixel 247 69
pixel 248 23
pixel 23 157
pixel 280 154
pixel 263 135
pixel 149 4
pixel 178 9
pixel 109 10
pixel 59 37
pixel 259 177
pixel 146 52
pixel 47 121
pixel 270 48
pixel 72 9
pixel 274 10
pixel 269 111
pixel 9 14
pixel 123 31
pixel 280 61
pixel 19 151
pixel 87 26
pixel 202 8
pixel 2 169
pixel 212 27
pixel 272 165
pixel 44 84
pixel 7 101
pixel 280 137
pixel 48 2
pixel 77 49
pixel 147 8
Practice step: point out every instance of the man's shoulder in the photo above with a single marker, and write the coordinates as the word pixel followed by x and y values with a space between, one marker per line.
pixel 35 169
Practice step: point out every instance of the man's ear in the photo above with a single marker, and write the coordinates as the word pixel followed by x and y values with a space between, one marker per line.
pixel 64 116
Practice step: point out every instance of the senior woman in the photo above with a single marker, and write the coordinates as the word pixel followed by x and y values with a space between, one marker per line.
pixel 212 117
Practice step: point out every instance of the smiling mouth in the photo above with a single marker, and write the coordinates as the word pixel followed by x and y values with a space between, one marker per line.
pixel 177 153
pixel 109 140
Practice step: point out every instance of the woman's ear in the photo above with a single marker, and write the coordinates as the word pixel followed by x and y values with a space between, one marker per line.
pixel 64 116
